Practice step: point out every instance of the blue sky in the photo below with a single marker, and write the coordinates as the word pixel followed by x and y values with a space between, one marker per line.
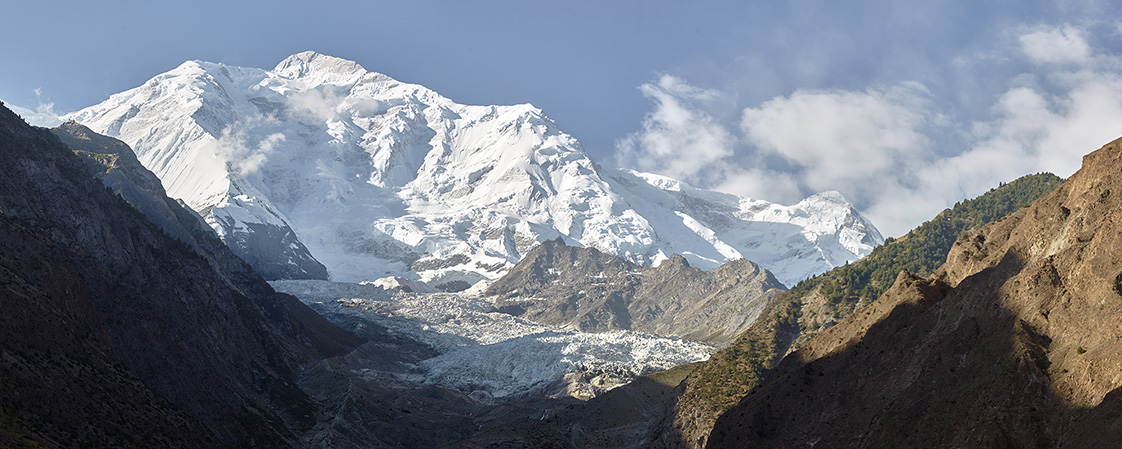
pixel 904 107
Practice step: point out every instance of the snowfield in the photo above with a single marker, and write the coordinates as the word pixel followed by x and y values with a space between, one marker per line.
pixel 492 355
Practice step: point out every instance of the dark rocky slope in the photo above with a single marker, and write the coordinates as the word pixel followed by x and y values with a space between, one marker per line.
pixel 588 290
pixel 115 334
pixel 1014 342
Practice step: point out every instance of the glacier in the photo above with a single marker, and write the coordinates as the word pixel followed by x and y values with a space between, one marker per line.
pixel 490 355
pixel 320 169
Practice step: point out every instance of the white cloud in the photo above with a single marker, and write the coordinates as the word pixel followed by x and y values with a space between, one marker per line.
pixel 841 140
pixel 47 108
pixel 258 156
pixel 1060 45
pixel 243 153
pixel 314 104
pixel 678 138
pixel 760 182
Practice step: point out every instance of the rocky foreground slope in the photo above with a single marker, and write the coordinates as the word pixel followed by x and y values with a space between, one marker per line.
pixel 1012 343
pixel 819 303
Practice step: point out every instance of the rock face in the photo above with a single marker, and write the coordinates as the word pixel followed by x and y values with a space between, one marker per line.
pixel 115 334
pixel 1012 343
pixel 591 291
pixel 375 177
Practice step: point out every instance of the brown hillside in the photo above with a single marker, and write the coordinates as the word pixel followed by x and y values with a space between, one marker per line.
pixel 1012 343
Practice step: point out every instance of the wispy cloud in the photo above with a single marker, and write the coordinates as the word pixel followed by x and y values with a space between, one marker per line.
pixel 678 138
pixel 44 107
pixel 841 140
pixel 1062 45
pixel 245 152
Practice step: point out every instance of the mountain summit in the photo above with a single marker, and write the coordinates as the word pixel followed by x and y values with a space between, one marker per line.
pixel 319 167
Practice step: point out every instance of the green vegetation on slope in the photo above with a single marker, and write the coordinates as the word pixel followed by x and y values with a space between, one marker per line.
pixel 919 252
pixel 817 303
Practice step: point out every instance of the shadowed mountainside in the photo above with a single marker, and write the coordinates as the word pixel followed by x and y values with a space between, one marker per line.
pixel 116 334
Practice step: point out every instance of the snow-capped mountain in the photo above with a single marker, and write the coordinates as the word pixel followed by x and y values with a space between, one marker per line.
pixel 321 161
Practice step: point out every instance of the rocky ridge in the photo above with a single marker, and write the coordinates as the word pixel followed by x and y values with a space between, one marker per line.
pixel 587 290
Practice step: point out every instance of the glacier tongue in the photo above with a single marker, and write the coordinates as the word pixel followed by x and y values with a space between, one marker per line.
pixel 375 177
pixel 491 354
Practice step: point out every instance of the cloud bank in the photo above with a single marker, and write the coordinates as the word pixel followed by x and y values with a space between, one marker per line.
pixel 895 151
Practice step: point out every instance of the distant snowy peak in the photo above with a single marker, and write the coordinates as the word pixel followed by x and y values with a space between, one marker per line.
pixel 709 228
pixel 375 177
pixel 314 68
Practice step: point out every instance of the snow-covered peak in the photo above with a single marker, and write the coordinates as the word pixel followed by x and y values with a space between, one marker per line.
pixel 379 178
pixel 828 201
pixel 662 182
pixel 317 68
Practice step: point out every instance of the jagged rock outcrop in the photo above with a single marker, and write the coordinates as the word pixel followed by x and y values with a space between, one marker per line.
pixel 593 291
pixel 115 334
pixel 1012 343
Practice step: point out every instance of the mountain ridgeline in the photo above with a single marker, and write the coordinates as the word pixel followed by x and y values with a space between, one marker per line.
pixel 840 291
pixel 816 304
pixel 127 319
